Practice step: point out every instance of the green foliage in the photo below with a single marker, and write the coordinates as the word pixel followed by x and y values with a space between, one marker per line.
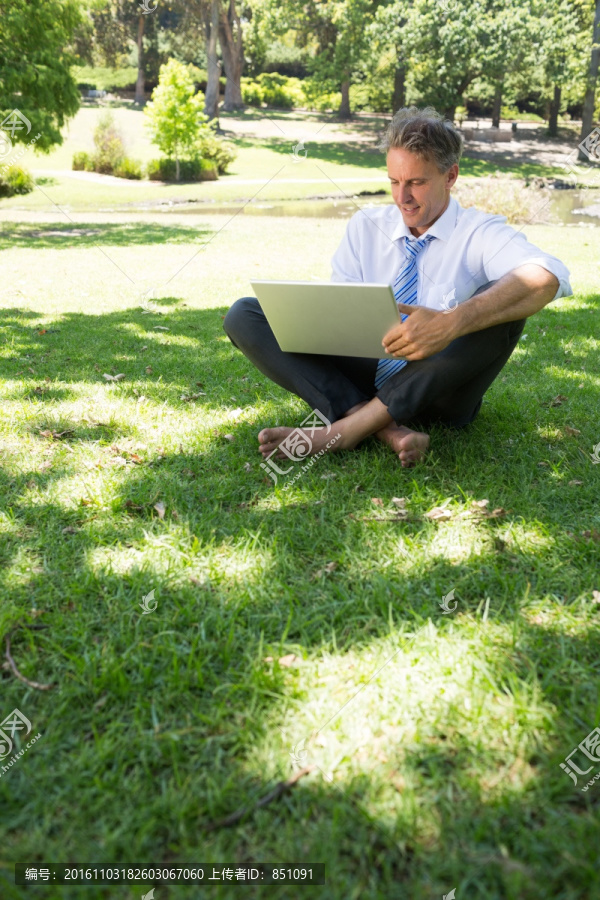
pixel 373 96
pixel 221 153
pixel 128 168
pixel 273 89
pixel 82 162
pixel 103 78
pixel 174 114
pixel 281 91
pixel 108 141
pixel 195 169
pixel 36 66
pixel 15 181
pixel 252 92
pixel 319 96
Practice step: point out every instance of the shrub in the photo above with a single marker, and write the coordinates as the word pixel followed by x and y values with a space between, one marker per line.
pixel 252 93
pixel 15 181
pixel 318 98
pixel 82 162
pixel 222 153
pixel 110 150
pixel 189 170
pixel 276 91
pixel 129 168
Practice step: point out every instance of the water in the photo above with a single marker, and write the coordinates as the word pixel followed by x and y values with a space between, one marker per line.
pixel 566 207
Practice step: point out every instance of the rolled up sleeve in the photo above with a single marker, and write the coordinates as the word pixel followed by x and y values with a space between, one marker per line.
pixel 504 249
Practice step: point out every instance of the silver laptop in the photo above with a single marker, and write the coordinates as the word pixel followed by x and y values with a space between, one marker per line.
pixel 332 318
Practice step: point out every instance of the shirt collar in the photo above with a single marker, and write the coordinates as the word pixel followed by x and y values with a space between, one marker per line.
pixel 442 228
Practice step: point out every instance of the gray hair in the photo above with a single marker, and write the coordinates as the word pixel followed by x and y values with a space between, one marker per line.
pixel 426 133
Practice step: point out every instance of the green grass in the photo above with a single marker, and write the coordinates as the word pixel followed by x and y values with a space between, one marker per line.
pixel 437 738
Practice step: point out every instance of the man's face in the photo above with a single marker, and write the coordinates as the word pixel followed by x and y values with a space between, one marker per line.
pixel 420 191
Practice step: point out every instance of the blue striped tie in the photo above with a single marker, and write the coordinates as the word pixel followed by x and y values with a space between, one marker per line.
pixel 405 291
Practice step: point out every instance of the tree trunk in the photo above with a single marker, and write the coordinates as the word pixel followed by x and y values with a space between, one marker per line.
pixel 554 111
pixel 345 111
pixel 590 94
pixel 230 38
pixel 140 94
pixel 450 112
pixel 497 106
pixel 399 95
pixel 211 98
pixel 176 168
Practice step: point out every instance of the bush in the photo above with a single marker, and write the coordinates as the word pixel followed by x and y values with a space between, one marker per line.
pixel 129 168
pixel 110 150
pixel 221 153
pixel 189 170
pixel 318 98
pixel 15 181
pixel 280 91
pixel 252 93
pixel 82 162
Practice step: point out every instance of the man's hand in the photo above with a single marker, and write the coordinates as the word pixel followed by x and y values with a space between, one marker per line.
pixel 425 332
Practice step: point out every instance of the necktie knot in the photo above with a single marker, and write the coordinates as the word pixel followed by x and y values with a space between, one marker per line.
pixel 415 245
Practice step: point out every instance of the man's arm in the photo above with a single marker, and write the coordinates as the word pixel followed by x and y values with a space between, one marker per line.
pixel 517 295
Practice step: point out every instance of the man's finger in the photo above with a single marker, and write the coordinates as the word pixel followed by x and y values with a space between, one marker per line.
pixel 408 308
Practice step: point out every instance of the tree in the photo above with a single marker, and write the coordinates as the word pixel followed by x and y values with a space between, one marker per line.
pixel 230 38
pixel 175 114
pixel 35 61
pixel 590 93
pixel 337 31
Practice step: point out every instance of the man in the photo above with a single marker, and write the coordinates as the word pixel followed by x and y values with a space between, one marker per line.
pixel 465 283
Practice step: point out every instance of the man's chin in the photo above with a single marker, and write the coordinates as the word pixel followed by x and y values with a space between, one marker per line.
pixel 412 218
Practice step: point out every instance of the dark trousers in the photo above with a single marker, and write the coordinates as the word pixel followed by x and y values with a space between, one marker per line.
pixel 447 387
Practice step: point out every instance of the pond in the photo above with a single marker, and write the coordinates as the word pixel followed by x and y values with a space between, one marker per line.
pixel 566 207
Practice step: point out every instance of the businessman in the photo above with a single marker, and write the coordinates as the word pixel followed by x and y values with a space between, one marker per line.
pixel 464 280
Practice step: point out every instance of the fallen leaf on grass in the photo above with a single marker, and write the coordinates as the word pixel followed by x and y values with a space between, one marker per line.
pixel 596 596
pixel 149 370
pixel 113 377
pixel 438 514
pixel 558 400
pixel 591 535
pixel 133 507
pixel 571 431
pixel 55 435
pixel 247 467
pixel 161 328
pixel 187 397
pixel 329 567
pixel 160 509
pixel 69 530
pixel 574 482
pixel 399 501
pixel 377 501
pixel 288 660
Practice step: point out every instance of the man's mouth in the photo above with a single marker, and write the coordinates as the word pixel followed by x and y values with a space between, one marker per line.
pixel 410 209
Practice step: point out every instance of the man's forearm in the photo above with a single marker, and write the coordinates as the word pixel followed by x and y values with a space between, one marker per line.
pixel 517 295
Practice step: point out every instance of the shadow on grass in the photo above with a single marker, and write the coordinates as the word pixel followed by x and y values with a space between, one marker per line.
pixel 184 699
pixel 58 235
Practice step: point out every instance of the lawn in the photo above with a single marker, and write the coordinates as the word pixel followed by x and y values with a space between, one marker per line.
pixel 295 627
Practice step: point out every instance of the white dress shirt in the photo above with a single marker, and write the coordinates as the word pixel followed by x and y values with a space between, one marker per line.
pixel 472 250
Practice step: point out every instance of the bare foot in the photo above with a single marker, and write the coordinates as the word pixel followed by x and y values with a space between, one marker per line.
pixel 305 441
pixel 409 445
